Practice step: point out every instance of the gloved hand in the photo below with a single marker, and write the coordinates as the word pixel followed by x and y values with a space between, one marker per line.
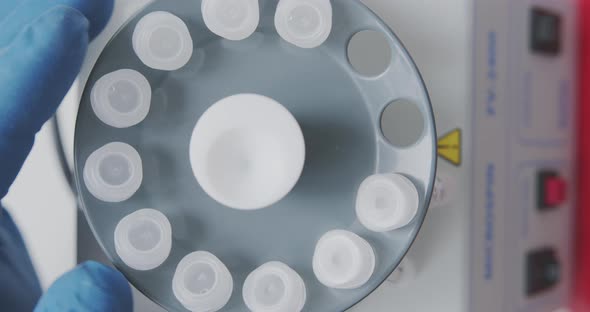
pixel 42 46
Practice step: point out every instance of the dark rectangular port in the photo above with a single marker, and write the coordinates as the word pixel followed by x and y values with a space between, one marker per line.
pixel 543 271
pixel 545 32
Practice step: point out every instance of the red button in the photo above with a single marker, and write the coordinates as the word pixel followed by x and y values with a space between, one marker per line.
pixel 555 192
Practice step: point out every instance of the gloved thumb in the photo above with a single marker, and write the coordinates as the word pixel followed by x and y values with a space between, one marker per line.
pixel 90 287
pixel 36 70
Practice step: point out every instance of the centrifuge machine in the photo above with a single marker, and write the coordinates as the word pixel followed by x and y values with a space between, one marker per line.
pixel 317 155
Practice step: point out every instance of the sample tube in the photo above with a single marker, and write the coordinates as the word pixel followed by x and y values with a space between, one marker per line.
pixel 274 287
pixel 231 19
pixel 114 172
pixel 122 98
pixel 162 41
pixel 343 260
pixel 202 282
pixel 386 202
pixel 304 23
pixel 143 239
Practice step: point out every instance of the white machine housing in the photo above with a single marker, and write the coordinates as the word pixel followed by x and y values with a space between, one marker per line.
pixel 514 100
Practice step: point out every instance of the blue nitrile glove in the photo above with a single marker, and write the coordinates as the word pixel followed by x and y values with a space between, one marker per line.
pixel 42 47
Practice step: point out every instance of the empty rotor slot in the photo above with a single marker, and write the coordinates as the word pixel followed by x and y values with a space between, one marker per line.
pixel 402 123
pixel 369 53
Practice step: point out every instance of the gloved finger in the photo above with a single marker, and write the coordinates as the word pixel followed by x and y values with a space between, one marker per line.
pixel 36 71
pixel 19 13
pixel 90 287
pixel 7 7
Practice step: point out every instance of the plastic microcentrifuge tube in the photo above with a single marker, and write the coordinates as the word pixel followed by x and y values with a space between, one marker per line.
pixel 122 98
pixel 162 41
pixel 231 19
pixel 143 239
pixel 202 282
pixel 386 202
pixel 343 260
pixel 114 172
pixel 304 23
pixel 247 151
pixel 274 287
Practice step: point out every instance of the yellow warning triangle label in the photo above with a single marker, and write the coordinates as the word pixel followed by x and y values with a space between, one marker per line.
pixel 450 146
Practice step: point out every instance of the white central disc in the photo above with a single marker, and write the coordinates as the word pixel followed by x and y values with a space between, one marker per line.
pixel 247 151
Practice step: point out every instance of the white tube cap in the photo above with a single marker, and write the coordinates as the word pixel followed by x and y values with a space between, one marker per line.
pixel 162 41
pixel 304 23
pixel 386 202
pixel 343 260
pixel 247 151
pixel 202 283
pixel 274 287
pixel 231 19
pixel 143 239
pixel 122 98
pixel 114 172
